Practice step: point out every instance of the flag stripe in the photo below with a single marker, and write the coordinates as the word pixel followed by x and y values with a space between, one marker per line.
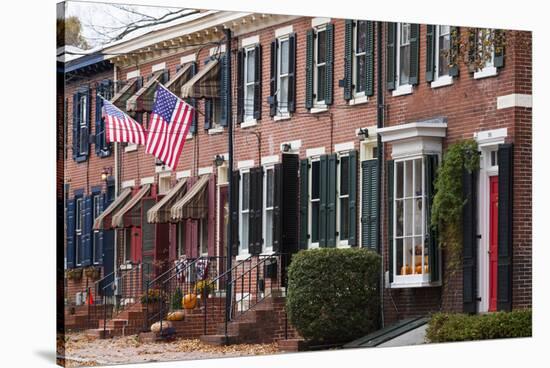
pixel 120 127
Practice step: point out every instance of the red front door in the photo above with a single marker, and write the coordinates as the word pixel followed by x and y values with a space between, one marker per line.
pixel 493 241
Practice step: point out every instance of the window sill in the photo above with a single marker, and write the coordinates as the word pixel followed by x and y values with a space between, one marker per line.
pixel 242 257
pixel 318 109
pixel 81 158
pixel 189 136
pixel 131 147
pixel 283 116
pixel 488 71
pixel 214 131
pixel 249 123
pixel 405 89
pixel 443 81
pixel 420 284
pixel 358 100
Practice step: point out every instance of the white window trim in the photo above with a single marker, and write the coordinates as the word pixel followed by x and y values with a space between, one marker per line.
pixel 128 183
pixel 265 248
pixel 133 74
pixel 319 21
pixel 216 49
pixel 131 147
pixel 404 89
pixel 346 146
pixel 282 116
pixel 358 97
pixel 318 105
pixel 243 253
pixel 249 123
pixel 294 146
pixel 163 179
pixel 147 180
pixel 189 136
pixel 245 164
pixel 157 67
pixel 248 118
pixel 188 58
pixel 280 110
pixel 317 151
pixel 283 31
pixel 216 130
pixel 489 70
pixel 201 237
pixel 444 80
pixel 310 243
pixel 339 242
pixel 318 109
pixel 250 41
pixel 183 174
pixel 514 100
pixel 205 170
pixel 269 160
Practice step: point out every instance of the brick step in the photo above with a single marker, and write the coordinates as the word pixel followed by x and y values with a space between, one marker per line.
pixel 219 340
pixel 99 333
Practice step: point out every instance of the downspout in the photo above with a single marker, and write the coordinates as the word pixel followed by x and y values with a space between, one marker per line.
pixel 117 181
pixel 380 158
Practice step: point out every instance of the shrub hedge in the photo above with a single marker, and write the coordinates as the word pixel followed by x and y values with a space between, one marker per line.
pixel 446 327
pixel 333 294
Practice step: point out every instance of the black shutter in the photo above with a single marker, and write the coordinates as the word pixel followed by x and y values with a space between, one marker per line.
pixel 208 113
pixel 348 59
pixel 323 183
pixel 309 68
pixel 369 60
pixel 193 102
pixel 498 61
pixel 331 200
pixel 70 253
pixel 330 64
pixel 99 131
pixel 430 52
pixel 240 85
pixel 98 234
pixel 352 190
pixel 258 82
pixel 391 37
pixel 389 186
pixel 277 207
pixel 76 124
pixel 88 116
pixel 469 241
pixel 369 205
pixel 292 73
pixel 454 56
pixel 415 53
pixel 273 78
pixel 235 177
pixel 86 243
pixel 255 223
pixel 224 89
pixel 431 235
pixel 505 224
pixel 304 203
pixel 289 211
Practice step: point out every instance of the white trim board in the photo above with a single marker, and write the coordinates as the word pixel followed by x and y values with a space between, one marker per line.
pixel 266 160
pixel 319 21
pixel 315 151
pixel 215 49
pixel 514 100
pixel 147 180
pixel 188 58
pixel 159 66
pixel 132 74
pixel 205 170
pixel 183 174
pixel 249 41
pixel 128 183
pixel 346 146
pixel 245 164
pixel 283 31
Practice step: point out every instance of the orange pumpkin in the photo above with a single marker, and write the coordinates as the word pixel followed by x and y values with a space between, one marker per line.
pixel 189 301
pixel 418 269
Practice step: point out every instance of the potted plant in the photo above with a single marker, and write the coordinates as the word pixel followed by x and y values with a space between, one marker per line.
pixel 74 274
pixel 92 272
pixel 154 296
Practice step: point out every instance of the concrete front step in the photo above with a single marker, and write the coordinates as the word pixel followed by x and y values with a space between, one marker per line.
pixel 219 340
pixel 99 333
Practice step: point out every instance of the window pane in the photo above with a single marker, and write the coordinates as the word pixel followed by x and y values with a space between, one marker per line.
pixel 360 76
pixel 399 180
pixel 408 255
pixel 344 175
pixel 344 218
pixel 314 222
pixel 404 65
pixel 408 216
pixel 321 82
pixel 361 39
pixel 283 47
pixel 250 66
pixel 283 94
pixel 399 269
pixel 418 216
pixel 180 228
pixel 269 228
pixel 269 188
pixel 245 191
pixel 321 47
pixel 217 110
pixel 315 182
pixel 249 100
pixel 128 244
pixel 417 255
pixel 244 234
pixel 399 218
pixel 444 48
pixel 408 178
pixel 204 235
pixel 418 177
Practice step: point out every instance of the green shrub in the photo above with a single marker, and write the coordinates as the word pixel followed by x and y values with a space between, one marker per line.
pixel 445 327
pixel 176 299
pixel 333 294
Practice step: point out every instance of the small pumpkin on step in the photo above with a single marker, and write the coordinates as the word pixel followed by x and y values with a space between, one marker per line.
pixel 177 315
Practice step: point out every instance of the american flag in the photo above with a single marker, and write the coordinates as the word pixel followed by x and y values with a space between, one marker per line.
pixel 120 127
pixel 169 124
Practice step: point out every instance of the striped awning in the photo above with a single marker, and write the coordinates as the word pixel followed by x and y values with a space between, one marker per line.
pixel 193 205
pixel 177 81
pixel 119 100
pixel 205 84
pixel 113 207
pixel 118 218
pixel 160 212
pixel 143 99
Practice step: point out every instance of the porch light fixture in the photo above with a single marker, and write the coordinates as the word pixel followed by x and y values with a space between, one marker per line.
pixel 363 133
pixel 219 160
pixel 286 147
pixel 106 173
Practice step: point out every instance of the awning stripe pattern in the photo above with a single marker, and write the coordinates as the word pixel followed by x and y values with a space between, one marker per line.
pixel 118 218
pixel 113 207
pixel 119 100
pixel 194 204
pixel 205 84
pixel 143 99
pixel 177 81
pixel 160 212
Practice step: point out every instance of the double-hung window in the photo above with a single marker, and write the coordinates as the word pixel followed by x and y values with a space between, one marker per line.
pixel 203 235
pixel 244 211
pixel 411 251
pixel 268 197
pixel 83 125
pixel 283 58
pixel 442 48
pixel 79 221
pixel 315 202
pixel 180 237
pixel 360 58
pixel 96 243
pixel 320 67
pixel 485 52
pixel 249 80
pixel 343 200
pixel 403 53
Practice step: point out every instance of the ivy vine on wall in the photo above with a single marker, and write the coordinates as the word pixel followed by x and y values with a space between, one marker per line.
pixel 449 200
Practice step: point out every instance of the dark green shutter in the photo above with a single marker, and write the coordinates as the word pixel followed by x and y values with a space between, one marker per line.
pixel 505 225
pixel 369 60
pixel 240 85
pixel 352 190
pixel 330 64
pixel 292 73
pixel 252 211
pixel 70 253
pixel 454 56
pixel 430 52
pixel 224 92
pixel 235 177
pixel 431 235
pixel 391 37
pixel 289 202
pixel 369 205
pixel 277 207
pixel 348 59
pixel 208 113
pixel 323 200
pixel 469 241
pixel 304 203
pixel 273 79
pixel 258 82
pixel 390 195
pixel 415 53
pixel 309 68
pixel 499 49
pixel 86 243
pixel 255 223
pixel 331 200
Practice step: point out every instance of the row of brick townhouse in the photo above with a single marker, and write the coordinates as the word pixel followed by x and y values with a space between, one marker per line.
pixel 337 142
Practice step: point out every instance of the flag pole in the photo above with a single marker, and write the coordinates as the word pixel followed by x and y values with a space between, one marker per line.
pixel 230 235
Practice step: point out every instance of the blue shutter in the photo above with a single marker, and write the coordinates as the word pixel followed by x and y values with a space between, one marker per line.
pixel 86 243
pixel 76 123
pixel 304 202
pixel 415 53
pixel 70 233
pixel 505 226
pixel 86 136
pixel 292 73
pixel 257 82
pixel 430 171
pixel 323 183
pixel 430 52
pixel 105 89
pixel 98 235
pixel 391 39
